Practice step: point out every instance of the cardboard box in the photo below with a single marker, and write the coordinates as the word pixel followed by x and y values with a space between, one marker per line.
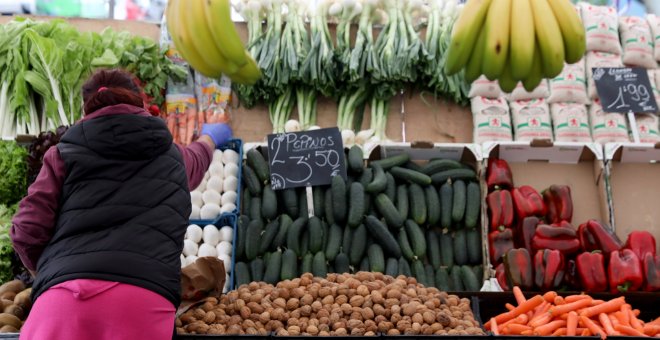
pixel 634 188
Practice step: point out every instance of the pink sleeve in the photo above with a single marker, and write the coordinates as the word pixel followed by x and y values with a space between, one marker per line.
pixel 33 226
pixel 197 158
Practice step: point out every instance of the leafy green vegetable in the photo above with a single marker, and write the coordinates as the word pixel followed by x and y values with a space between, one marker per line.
pixel 13 167
pixel 6 250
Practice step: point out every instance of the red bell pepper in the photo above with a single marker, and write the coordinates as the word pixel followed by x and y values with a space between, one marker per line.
pixel 559 203
pixel 651 267
pixel 595 236
pixel 528 202
pixel 591 271
pixel 560 236
pixel 518 268
pixel 571 276
pixel 526 232
pixel 500 275
pixel 549 266
pixel 499 175
pixel 499 242
pixel 641 242
pixel 500 209
pixel 625 271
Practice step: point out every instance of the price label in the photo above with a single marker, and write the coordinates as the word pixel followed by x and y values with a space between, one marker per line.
pixel 625 90
pixel 306 158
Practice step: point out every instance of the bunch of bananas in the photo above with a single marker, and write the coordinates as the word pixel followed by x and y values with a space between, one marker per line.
pixel 205 36
pixel 515 40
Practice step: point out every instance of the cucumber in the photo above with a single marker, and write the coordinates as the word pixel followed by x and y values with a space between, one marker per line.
pixel 289 268
pixel 315 230
pixel 390 162
pixel 356 207
pixel 245 201
pixel 439 165
pixel 456 278
pixel 307 263
pixel 460 248
pixel 346 239
pixel 366 177
pixel 404 268
pixel 241 233
pixel 364 265
pixel 473 245
pixel 402 204
pixel 273 267
pixel 446 204
pixel 469 280
pixel 416 237
pixel 266 258
pixel 358 244
pixel 326 234
pixel 379 182
pixel 268 204
pixel 410 176
pixel 383 236
pixel 418 271
pixel 406 249
pixel 389 211
pixel 478 271
pixel 446 250
pixel 342 263
pixel 280 239
pixel 257 162
pixel 251 181
pixel 459 202
pixel 294 235
pixel 472 204
pixel 392 267
pixel 338 202
pixel 355 159
pixel 417 203
pixel 430 275
pixel 268 235
pixel 304 242
pixel 376 258
pixel 433 244
pixel 290 200
pixel 390 189
pixel 257 270
pixel 242 274
pixel 319 207
pixel 432 205
pixel 255 208
pixel 335 234
pixel 442 281
pixel 253 239
pixel 454 174
pixel 303 209
pixel 329 214
pixel 413 166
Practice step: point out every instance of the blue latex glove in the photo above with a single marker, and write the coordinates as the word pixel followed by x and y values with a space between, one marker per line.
pixel 220 133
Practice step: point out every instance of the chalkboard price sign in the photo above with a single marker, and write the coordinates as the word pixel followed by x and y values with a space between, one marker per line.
pixel 625 90
pixel 307 158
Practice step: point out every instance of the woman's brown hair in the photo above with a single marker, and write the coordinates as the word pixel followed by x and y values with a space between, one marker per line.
pixel 110 87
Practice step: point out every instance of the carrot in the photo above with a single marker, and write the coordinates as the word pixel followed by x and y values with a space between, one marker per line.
pixel 191 121
pixel 573 306
pixel 607 324
pixel 571 323
pixel 559 300
pixel 529 332
pixel 607 307
pixel 656 321
pixel 541 320
pixel 634 322
pixel 593 327
pixel 518 294
pixel 559 332
pixel 521 319
pixel 625 314
pixel 613 319
pixel 629 331
pixel 549 327
pixel 651 330
pixel 509 306
pixel 493 327
pixel 597 302
pixel 541 309
pixel 585 332
pixel 515 328
pixel 636 312
pixel 573 298
pixel 521 309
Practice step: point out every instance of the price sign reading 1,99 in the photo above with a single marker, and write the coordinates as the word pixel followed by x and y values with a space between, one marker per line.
pixel 307 158
pixel 625 89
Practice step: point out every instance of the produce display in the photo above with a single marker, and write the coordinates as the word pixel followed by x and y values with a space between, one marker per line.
pixel 16 304
pixel 393 216
pixel 551 314
pixel 334 305
pixel 217 193
pixel 209 241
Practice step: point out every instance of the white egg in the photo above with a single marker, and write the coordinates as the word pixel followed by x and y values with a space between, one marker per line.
pixel 231 183
pixel 215 183
pixel 211 196
pixel 224 247
pixel 194 213
pixel 227 208
pixel 227 261
pixel 206 176
pixel 231 170
pixel 211 235
pixel 190 248
pixel 194 233
pixel 217 155
pixel 209 211
pixel 216 169
pixel 226 287
pixel 228 197
pixel 196 198
pixel 207 250
pixel 183 261
pixel 202 186
pixel 227 234
pixel 191 259
pixel 229 156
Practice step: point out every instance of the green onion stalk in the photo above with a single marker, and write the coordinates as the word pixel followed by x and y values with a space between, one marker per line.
pixel 306 100
pixel 280 109
pixel 270 60
pixel 319 67
pixel 362 52
pixel 344 11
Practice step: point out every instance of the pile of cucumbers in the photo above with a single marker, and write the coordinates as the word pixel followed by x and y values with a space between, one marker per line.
pixel 393 216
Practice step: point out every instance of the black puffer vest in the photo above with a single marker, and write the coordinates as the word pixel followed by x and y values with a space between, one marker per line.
pixel 124 208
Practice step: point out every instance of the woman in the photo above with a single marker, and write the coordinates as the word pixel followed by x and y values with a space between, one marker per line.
pixel 103 224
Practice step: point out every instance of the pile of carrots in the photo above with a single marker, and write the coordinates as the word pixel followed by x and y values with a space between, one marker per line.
pixel 575 315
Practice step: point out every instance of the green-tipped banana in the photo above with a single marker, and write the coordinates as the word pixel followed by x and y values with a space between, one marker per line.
pixel 464 34
pixel 218 20
pixel 473 67
pixel 536 73
pixel 498 30
pixel 522 39
pixel 549 38
pixel 248 74
pixel 506 81
pixel 572 29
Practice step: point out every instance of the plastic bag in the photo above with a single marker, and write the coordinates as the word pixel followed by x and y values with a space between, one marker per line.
pixel 654 25
pixel 637 42
pixel 570 86
pixel 599 59
pixel 607 127
pixel 570 122
pixel 531 119
pixel 647 128
pixel 491 120
pixel 212 98
pixel 482 87
pixel 601 26
pixel 519 93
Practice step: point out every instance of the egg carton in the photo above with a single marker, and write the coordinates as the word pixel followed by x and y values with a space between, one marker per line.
pixel 219 193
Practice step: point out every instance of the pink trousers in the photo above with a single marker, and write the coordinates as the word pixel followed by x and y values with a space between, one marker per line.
pixel 99 310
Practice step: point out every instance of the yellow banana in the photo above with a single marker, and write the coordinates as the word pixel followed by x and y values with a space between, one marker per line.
pixel 536 73
pixel 473 67
pixel 572 29
pixel 464 34
pixel 218 20
pixel 248 74
pixel 498 30
pixel 549 38
pixel 522 39
pixel 506 81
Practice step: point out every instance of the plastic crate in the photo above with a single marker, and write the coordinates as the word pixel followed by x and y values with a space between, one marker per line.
pixel 229 220
pixel 236 145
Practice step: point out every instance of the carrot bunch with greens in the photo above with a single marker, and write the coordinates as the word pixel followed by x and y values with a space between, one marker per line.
pixel 574 315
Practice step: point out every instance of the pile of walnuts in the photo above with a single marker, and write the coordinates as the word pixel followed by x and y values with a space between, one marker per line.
pixel 341 304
